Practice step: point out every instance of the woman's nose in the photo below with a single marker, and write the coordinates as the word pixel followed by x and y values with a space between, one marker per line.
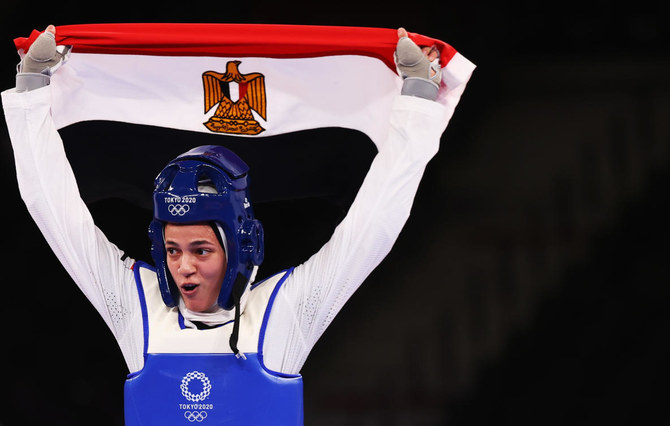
pixel 186 266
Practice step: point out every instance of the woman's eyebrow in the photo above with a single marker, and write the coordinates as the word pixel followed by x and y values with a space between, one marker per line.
pixel 201 243
pixel 192 243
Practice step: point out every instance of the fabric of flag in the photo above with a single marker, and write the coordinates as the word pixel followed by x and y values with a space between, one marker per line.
pixel 236 79
pixel 306 99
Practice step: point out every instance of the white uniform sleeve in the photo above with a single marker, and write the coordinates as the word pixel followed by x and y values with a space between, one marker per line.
pixel 48 187
pixel 316 291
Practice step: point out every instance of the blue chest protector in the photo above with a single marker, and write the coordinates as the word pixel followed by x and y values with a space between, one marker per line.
pixel 190 376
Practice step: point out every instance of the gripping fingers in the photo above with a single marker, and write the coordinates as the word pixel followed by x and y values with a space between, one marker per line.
pixel 410 59
pixel 38 64
pixel 421 75
pixel 42 54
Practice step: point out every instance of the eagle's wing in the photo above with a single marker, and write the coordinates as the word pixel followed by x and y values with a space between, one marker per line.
pixel 211 82
pixel 255 94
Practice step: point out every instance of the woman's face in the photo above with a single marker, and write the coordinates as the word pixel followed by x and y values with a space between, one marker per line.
pixel 197 263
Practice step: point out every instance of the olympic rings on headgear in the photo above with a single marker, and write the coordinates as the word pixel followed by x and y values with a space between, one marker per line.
pixel 178 209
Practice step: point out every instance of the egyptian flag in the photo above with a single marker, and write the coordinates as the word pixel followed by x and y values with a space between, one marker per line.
pixel 130 97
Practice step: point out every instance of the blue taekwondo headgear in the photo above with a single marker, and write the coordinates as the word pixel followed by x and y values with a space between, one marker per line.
pixel 208 184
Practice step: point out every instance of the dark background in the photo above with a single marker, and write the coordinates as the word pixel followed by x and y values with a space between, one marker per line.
pixel 530 285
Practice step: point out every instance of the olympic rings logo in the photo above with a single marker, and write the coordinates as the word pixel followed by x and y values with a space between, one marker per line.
pixel 195 416
pixel 178 209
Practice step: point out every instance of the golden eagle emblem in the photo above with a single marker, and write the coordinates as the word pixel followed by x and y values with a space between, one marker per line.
pixel 234 116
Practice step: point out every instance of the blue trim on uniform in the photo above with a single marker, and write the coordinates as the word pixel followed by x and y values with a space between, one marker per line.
pixel 143 304
pixel 266 317
pixel 180 320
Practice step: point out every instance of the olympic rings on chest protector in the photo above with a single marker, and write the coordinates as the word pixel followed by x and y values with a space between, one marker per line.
pixel 195 416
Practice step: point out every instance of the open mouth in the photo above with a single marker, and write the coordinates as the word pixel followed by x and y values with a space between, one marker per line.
pixel 188 288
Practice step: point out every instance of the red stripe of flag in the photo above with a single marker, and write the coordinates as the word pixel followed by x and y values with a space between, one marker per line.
pixel 235 40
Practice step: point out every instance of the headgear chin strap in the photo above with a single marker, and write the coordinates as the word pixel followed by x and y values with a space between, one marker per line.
pixel 178 199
